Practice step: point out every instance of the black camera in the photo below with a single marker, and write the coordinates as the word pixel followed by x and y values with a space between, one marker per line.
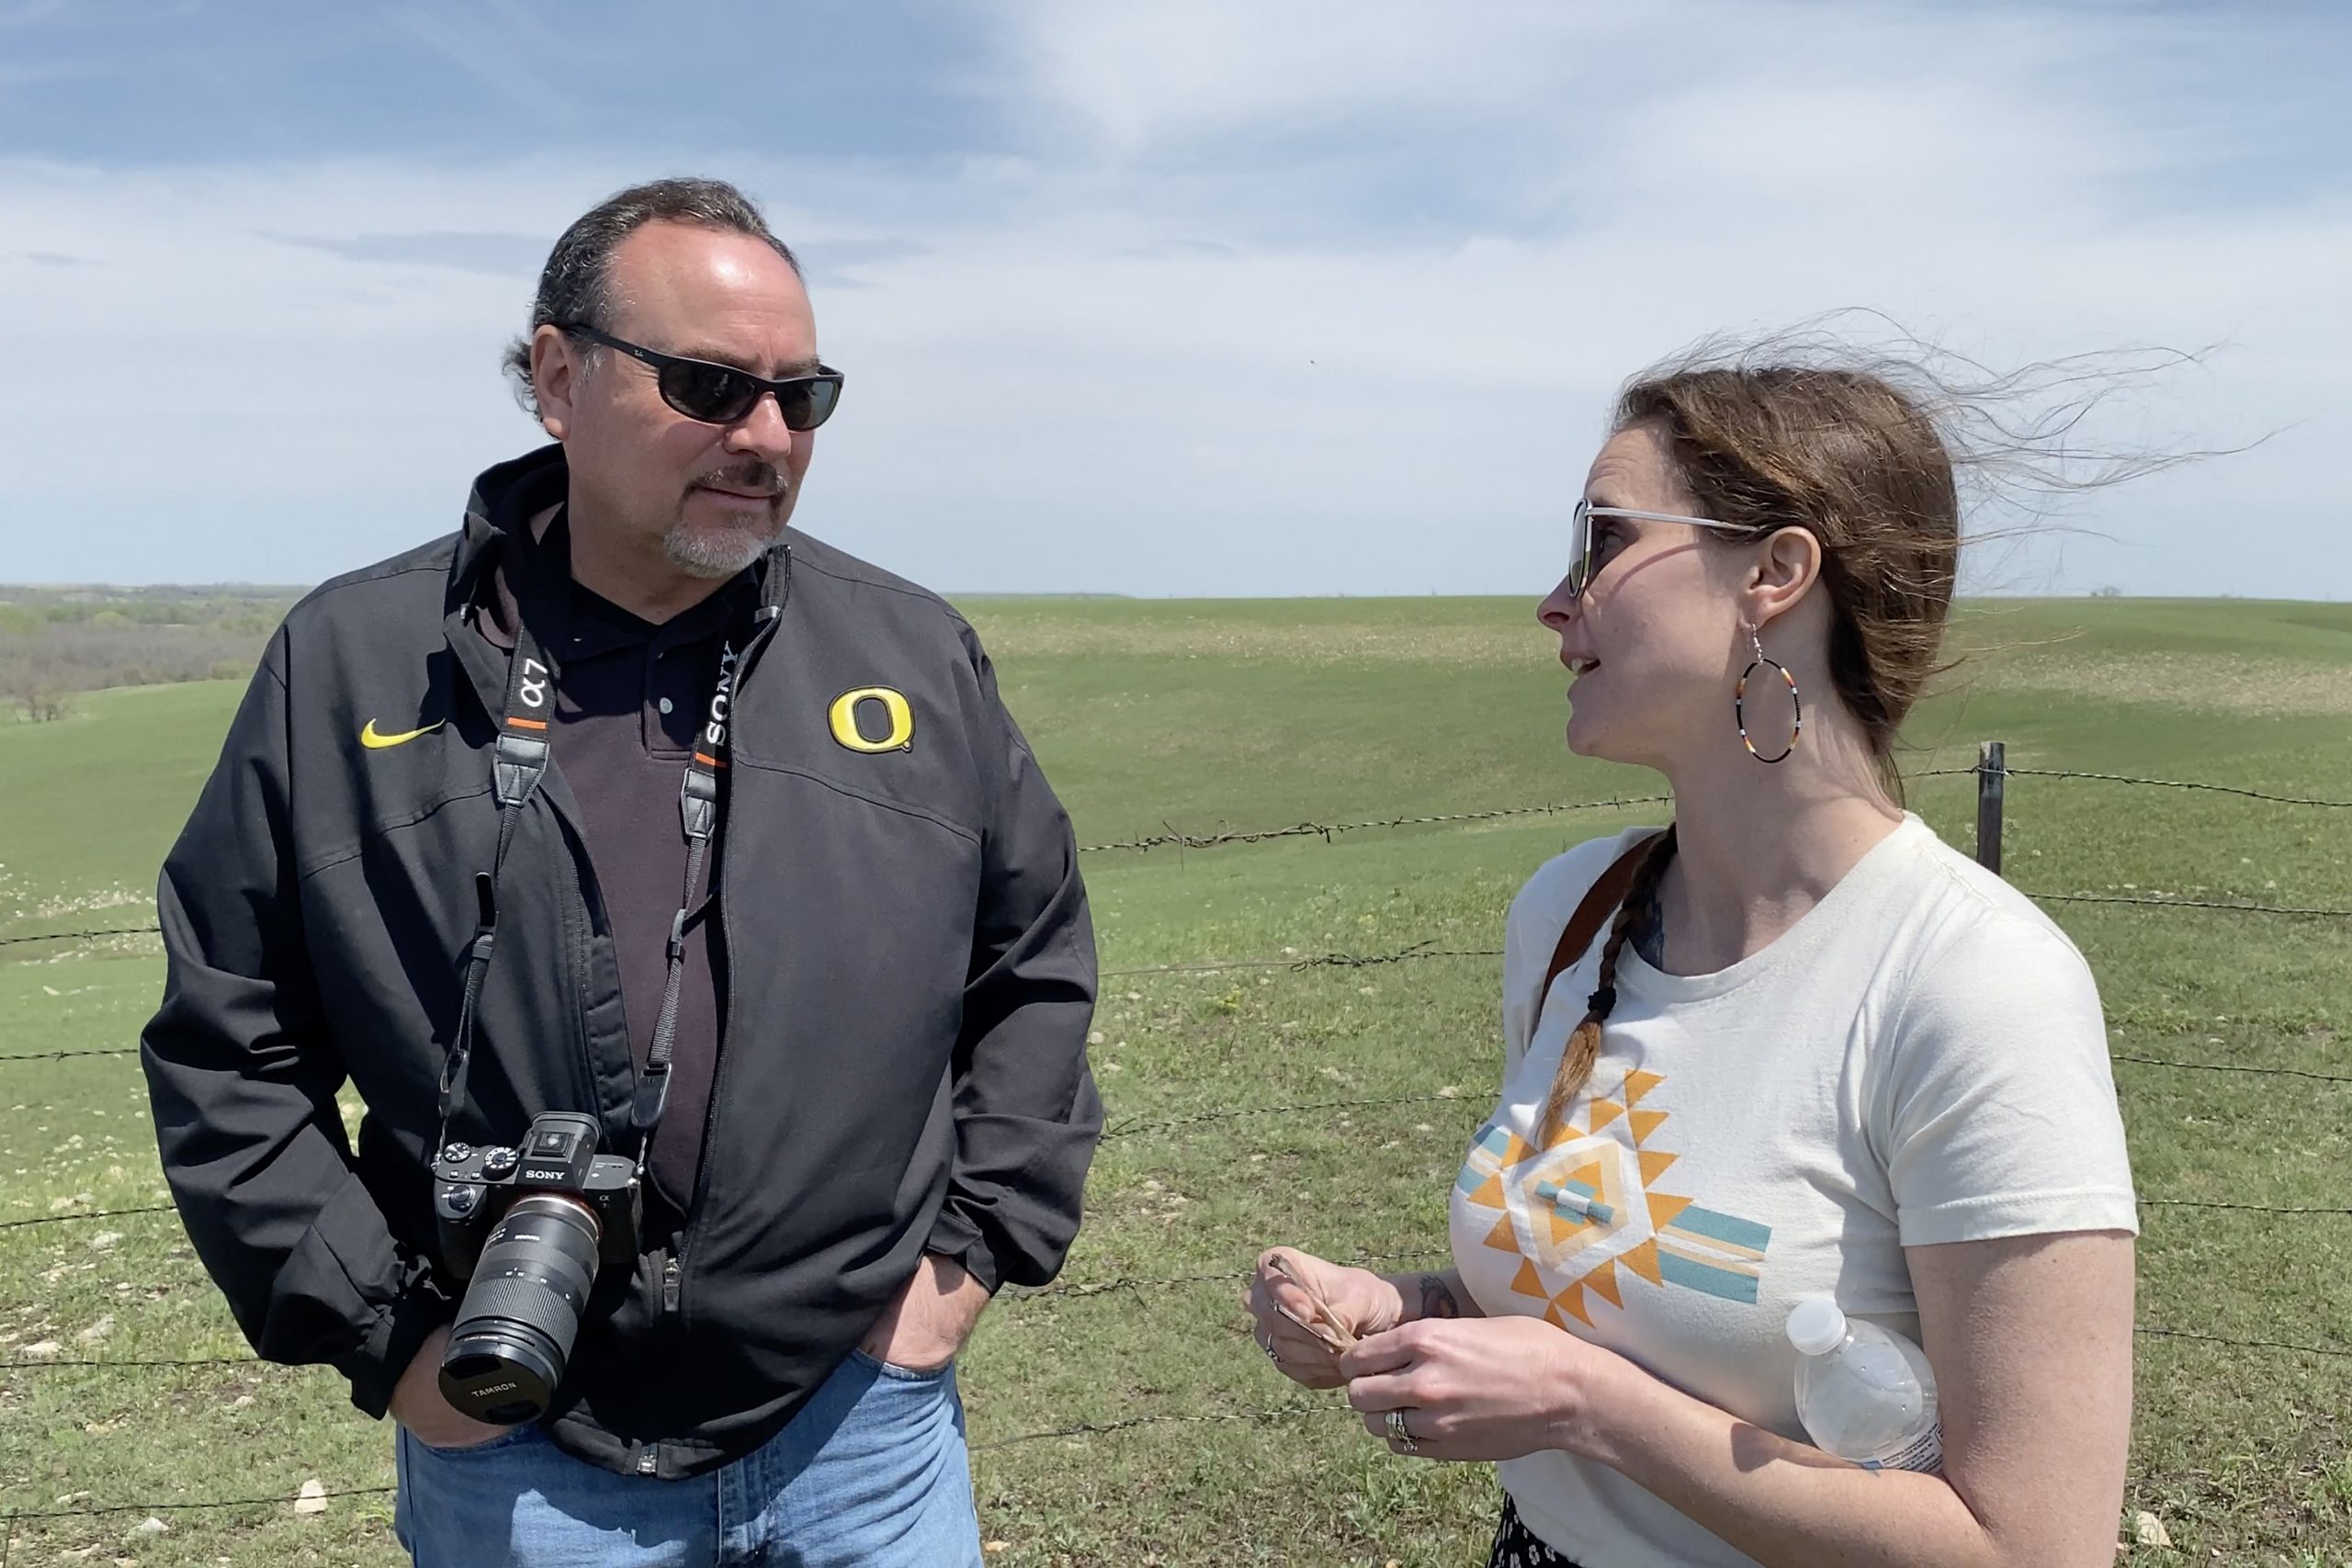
pixel 528 1228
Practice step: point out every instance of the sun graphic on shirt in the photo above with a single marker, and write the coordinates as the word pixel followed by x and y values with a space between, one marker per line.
pixel 1582 1207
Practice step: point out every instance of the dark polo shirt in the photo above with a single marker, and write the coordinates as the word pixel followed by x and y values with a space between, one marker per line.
pixel 629 698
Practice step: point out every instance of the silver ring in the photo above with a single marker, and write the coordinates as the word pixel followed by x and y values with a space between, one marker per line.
pixel 1399 1436
pixel 1267 1345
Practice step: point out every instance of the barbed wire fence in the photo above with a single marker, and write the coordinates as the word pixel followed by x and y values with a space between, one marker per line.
pixel 1992 773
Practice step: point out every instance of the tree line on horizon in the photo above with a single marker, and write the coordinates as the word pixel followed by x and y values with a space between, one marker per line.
pixel 57 642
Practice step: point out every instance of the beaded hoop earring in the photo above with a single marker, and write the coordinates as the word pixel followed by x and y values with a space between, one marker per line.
pixel 1740 701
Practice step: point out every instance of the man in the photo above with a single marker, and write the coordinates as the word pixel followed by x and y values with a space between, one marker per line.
pixel 449 856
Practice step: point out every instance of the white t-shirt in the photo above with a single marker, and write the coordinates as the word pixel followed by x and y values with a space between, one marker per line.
pixel 1921 1058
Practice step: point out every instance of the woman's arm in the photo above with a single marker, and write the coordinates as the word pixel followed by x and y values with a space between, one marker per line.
pixel 2031 1342
pixel 1432 1295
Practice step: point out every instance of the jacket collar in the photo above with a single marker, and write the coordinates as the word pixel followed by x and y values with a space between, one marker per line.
pixel 501 501
pixel 495 540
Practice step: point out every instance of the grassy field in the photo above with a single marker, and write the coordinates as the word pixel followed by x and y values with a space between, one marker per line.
pixel 1155 716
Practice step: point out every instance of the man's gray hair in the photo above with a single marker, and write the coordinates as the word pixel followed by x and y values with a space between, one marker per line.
pixel 577 283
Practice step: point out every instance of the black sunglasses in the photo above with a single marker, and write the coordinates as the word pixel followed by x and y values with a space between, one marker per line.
pixel 721 394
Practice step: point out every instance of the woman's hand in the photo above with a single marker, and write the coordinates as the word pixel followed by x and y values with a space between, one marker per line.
pixel 1492 1388
pixel 1361 1302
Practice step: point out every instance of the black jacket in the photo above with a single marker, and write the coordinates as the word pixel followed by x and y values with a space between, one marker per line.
pixel 909 980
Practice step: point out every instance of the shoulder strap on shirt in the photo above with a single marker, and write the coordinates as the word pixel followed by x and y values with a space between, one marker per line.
pixel 1600 901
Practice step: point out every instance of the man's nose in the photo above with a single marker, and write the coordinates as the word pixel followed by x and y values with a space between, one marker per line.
pixel 762 433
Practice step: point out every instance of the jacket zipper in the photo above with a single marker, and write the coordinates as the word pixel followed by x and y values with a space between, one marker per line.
pixel 576 946
pixel 674 1273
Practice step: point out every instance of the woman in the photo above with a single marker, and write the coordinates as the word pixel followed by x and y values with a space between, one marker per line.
pixel 1809 1050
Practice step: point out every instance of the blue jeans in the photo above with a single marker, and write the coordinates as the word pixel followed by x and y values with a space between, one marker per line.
pixel 872 1471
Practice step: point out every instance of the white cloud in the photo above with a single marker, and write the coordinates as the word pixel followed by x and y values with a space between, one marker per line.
pixel 1143 76
pixel 1246 298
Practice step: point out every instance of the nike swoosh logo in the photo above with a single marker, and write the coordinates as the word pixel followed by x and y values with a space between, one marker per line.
pixel 377 740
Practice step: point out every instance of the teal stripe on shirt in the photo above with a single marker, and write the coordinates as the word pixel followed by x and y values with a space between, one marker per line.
pixel 1718 1282
pixel 1722 1227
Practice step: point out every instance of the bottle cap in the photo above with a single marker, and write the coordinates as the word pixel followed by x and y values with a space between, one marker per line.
pixel 1816 1326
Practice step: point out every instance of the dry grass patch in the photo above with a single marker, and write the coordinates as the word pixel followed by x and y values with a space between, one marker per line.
pixel 2207 683
pixel 1020 637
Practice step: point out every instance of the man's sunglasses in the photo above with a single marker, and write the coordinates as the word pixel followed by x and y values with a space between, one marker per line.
pixel 721 394
pixel 1582 554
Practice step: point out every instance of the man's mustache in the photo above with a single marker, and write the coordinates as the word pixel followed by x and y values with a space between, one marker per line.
pixel 750 478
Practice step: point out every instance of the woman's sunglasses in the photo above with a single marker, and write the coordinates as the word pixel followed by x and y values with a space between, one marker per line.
pixel 1583 560
pixel 721 394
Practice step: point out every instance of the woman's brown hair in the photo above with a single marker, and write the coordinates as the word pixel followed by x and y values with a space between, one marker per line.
pixel 1854 461
pixel 1865 455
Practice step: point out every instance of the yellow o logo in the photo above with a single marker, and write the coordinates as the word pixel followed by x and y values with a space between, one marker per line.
pixel 844 718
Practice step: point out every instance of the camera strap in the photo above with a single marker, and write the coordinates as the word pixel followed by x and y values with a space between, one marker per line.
pixel 699 817
pixel 520 760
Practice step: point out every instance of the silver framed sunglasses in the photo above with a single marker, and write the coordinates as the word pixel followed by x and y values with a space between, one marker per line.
pixel 1581 554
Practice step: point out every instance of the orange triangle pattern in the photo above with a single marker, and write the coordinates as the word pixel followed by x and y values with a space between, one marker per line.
pixel 1602 1283
pixel 1568 1134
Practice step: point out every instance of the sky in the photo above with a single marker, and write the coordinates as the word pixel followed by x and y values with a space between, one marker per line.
pixel 1218 298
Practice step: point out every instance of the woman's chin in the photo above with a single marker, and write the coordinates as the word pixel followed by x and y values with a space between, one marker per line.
pixel 1584 737
pixel 1589 737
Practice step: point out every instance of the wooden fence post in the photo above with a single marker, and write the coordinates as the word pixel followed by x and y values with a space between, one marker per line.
pixel 1992 774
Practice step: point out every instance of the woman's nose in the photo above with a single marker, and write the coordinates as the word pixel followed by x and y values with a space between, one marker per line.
pixel 1558 608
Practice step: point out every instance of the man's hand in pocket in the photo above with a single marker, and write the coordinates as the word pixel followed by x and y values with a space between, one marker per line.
pixel 418 1405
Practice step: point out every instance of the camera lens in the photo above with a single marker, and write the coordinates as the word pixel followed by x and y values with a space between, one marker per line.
pixel 521 1310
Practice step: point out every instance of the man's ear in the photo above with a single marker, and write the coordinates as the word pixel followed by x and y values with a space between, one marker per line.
pixel 1787 567
pixel 556 366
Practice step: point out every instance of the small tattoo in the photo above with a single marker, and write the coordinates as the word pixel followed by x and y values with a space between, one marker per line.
pixel 1437 1298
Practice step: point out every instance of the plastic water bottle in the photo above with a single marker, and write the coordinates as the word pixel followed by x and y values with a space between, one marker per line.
pixel 1864 1395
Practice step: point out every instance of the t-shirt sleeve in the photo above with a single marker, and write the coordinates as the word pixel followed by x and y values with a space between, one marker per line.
pixel 1522 969
pixel 1998 1117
